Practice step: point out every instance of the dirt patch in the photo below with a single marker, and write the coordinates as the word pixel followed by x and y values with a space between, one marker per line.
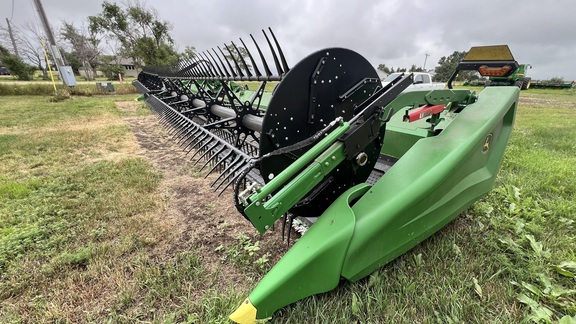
pixel 128 106
pixel 198 217
pixel 546 102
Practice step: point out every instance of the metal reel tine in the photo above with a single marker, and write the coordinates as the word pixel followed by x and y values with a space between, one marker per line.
pixel 201 144
pixel 236 173
pixel 179 134
pixel 188 141
pixel 290 221
pixel 283 220
pixel 166 121
pixel 177 127
pixel 220 73
pixel 231 175
pixel 235 59
pixel 163 116
pixel 228 62
pixel 219 163
pixel 212 157
pixel 274 56
pixel 181 129
pixel 282 58
pixel 208 150
pixel 195 141
pixel 221 63
pixel 235 161
pixel 248 72
pixel 266 67
pixel 191 131
pixel 205 151
pixel 208 68
pixel 198 143
pixel 210 64
pixel 168 117
pixel 202 68
pixel 251 59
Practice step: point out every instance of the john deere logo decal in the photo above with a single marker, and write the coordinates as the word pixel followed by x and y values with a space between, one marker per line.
pixel 487 143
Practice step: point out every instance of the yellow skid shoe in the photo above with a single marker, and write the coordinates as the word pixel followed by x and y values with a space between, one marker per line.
pixel 245 314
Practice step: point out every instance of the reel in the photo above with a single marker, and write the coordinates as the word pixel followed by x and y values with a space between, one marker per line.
pixel 327 84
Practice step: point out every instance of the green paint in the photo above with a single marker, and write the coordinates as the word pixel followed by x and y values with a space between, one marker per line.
pixel 436 178
pixel 313 264
pixel 322 158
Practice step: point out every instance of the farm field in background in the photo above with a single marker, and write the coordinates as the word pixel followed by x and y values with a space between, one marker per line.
pixel 102 219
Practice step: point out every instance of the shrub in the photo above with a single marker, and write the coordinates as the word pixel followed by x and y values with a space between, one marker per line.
pixel 16 66
pixel 111 71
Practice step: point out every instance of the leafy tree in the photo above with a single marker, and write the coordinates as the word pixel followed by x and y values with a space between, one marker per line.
pixel 142 35
pixel 447 66
pixel 110 66
pixel 74 61
pixel 111 71
pixel 188 53
pixel 84 46
pixel 413 68
pixel 16 66
pixel 557 79
pixel 385 69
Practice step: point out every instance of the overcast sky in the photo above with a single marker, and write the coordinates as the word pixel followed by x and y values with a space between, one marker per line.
pixel 397 33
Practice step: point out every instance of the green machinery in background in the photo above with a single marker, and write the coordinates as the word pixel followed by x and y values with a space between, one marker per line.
pixel 553 84
pixel 372 170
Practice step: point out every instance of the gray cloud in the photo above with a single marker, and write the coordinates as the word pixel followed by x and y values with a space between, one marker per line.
pixel 393 32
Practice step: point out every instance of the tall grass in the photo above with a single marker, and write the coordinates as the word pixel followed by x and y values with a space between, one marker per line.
pixel 47 89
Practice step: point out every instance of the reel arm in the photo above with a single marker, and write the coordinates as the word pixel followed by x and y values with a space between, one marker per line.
pixel 345 144
pixel 263 207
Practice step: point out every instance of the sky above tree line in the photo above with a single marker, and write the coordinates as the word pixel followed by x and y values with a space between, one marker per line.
pixel 398 33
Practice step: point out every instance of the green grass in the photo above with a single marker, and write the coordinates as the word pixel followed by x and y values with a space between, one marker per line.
pixel 38 78
pixel 82 236
pixel 45 88
pixel 82 231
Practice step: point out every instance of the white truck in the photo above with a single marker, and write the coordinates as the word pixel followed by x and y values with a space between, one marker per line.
pixel 422 81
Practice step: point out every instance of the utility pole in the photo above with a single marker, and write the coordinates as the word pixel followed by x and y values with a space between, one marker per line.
pixel 425 59
pixel 66 73
pixel 12 38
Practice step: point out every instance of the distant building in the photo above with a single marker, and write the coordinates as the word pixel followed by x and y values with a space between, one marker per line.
pixel 129 66
pixel 84 74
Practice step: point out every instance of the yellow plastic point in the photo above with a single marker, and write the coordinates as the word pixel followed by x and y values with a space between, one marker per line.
pixel 245 314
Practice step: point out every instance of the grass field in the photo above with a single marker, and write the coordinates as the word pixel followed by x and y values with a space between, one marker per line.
pixel 85 237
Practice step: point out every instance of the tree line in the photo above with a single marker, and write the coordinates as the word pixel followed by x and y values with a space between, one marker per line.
pixel 442 72
pixel 136 32
pixel 129 30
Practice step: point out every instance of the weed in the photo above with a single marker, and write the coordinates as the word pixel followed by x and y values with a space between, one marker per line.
pixel 60 95
pixel 74 259
pixel 246 254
